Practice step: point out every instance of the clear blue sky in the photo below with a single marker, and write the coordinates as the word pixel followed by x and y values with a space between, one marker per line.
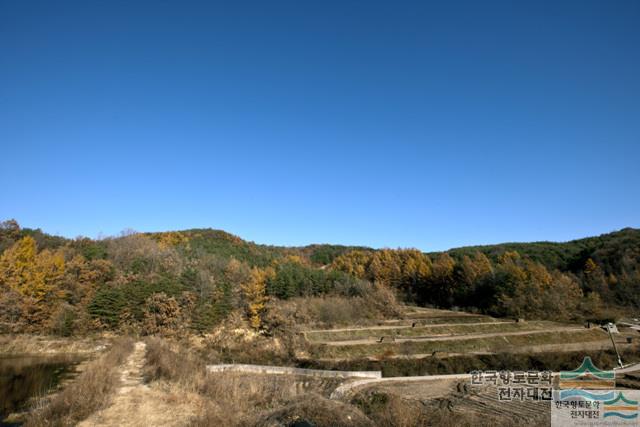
pixel 410 124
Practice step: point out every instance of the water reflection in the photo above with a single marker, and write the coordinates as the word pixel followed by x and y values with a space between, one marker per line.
pixel 25 376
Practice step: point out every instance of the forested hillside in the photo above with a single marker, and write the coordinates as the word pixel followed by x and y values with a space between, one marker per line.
pixel 609 250
pixel 191 280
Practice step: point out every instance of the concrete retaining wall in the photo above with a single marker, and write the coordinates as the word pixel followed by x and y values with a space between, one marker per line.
pixel 262 369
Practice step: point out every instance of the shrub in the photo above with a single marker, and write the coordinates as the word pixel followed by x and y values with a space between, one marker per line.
pixel 377 302
pixel 315 410
pixel 164 363
pixel 62 321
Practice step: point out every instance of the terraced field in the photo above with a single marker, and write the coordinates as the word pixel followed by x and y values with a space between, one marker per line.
pixel 437 337
pixel 452 329
pixel 423 332
pixel 413 392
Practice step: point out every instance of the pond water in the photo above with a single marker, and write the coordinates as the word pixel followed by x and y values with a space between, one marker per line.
pixel 25 376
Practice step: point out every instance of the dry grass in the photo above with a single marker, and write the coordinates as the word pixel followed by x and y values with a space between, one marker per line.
pixel 43 344
pixel 164 363
pixel 420 331
pixel 233 397
pixel 90 391
pixel 236 342
pixel 237 399
pixel 230 399
pixel 446 418
pixel 263 391
pixel 374 304
pixel 313 410
pixel 459 345
pixel 390 410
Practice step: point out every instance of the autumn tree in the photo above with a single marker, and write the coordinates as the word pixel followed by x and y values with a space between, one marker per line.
pixel 82 277
pixel 405 270
pixel 10 226
pixel 442 280
pixel 37 277
pixel 32 274
pixel 12 314
pixel 472 269
pixel 470 274
pixel 9 233
pixel 355 263
pixel 18 267
pixel 255 295
pixel 162 314
pixel 385 268
pixel 529 289
pixel 416 267
pixel 595 280
pixel 140 255
pixel 170 239
pixel 235 274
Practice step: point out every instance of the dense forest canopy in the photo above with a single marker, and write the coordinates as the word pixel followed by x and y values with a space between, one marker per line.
pixel 192 279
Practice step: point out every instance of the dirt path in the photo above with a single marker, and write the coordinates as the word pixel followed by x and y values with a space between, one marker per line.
pixel 386 327
pixel 137 404
pixel 457 337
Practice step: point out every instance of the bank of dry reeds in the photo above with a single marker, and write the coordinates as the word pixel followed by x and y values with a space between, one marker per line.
pixel 90 391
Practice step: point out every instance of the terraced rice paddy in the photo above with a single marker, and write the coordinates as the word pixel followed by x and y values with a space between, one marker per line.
pixel 423 332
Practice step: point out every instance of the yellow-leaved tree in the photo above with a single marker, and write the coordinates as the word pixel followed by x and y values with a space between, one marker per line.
pixel 32 274
pixel 355 263
pixel 170 239
pixel 255 294
pixel 17 264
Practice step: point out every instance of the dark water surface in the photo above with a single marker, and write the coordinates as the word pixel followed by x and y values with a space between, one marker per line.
pixel 25 376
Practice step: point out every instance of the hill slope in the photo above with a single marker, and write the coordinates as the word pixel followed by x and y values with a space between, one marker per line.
pixel 609 250
pixel 168 281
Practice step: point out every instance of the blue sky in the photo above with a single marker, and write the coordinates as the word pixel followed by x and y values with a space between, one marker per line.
pixel 397 124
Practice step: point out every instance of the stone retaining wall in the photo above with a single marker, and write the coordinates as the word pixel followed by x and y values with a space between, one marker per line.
pixel 263 369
